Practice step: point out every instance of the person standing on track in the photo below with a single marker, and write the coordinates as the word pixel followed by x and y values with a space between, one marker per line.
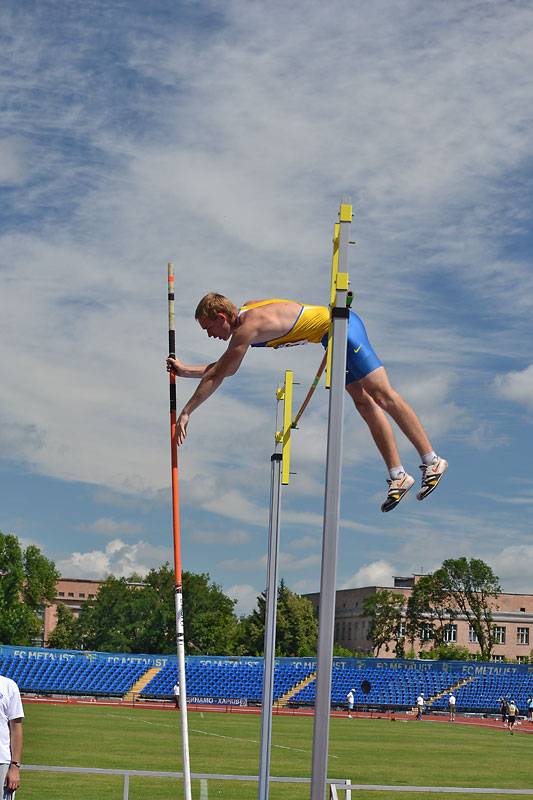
pixel 512 711
pixel 451 706
pixel 176 693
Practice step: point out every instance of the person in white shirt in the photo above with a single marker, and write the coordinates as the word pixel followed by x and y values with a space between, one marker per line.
pixel 11 716
pixel 420 704
pixel 176 693
pixel 451 706
pixel 349 702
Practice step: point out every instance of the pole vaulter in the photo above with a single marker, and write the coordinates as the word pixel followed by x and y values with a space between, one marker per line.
pixel 178 594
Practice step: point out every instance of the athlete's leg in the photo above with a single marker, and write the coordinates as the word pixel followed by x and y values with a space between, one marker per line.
pixel 377 385
pixel 379 425
pixel 400 482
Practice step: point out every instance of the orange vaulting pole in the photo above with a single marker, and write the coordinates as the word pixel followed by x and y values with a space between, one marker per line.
pixel 180 634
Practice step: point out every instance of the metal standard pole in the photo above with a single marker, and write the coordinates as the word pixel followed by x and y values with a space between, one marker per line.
pixel 178 596
pixel 270 626
pixel 331 516
pixel 280 470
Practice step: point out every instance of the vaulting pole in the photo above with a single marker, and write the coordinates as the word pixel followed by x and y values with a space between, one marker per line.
pixel 178 595
pixel 326 619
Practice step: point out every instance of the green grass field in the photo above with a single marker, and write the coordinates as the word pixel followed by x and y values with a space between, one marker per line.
pixel 367 751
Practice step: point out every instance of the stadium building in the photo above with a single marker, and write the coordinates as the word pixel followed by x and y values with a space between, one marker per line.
pixel 512 614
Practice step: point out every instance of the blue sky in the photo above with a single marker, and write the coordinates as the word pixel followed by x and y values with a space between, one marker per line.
pixel 222 136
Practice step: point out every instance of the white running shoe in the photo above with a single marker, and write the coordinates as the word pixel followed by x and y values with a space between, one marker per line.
pixel 431 476
pixel 397 489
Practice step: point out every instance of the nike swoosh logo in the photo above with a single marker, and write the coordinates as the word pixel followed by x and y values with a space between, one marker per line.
pixel 356 351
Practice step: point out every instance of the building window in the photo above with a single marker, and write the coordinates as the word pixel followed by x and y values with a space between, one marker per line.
pixel 522 659
pixel 91 596
pixel 472 635
pixel 450 633
pixel 82 594
pixel 523 609
pixel 61 594
pixel 498 658
pixel 402 630
pixel 426 632
pixel 522 635
pixel 499 634
pixel 70 594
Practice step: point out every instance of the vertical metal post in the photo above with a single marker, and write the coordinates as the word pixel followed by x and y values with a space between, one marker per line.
pixel 339 322
pixel 126 787
pixel 280 470
pixel 178 593
pixel 270 625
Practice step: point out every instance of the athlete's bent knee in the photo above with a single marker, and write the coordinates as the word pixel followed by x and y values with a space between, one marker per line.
pixel 386 399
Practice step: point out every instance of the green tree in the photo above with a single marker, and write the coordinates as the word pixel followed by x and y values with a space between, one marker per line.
pixel 296 626
pixel 209 616
pixel 128 617
pixel 111 620
pixel 429 610
pixel 385 609
pixel 473 588
pixel 448 652
pixel 66 634
pixel 27 584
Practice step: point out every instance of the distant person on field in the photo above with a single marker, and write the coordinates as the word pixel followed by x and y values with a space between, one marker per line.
pixel 530 709
pixel 451 706
pixel 349 702
pixel 512 711
pixel 176 693
pixel 11 716
pixel 276 323
pixel 420 705
pixel 503 710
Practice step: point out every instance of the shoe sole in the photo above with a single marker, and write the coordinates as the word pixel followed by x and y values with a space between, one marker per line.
pixel 390 508
pixel 423 495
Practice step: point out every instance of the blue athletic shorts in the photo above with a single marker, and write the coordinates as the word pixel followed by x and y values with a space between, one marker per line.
pixel 360 356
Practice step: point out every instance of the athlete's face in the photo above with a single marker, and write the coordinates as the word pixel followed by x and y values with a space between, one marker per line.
pixel 217 328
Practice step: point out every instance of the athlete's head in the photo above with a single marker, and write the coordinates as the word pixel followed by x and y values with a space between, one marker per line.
pixel 213 304
pixel 216 315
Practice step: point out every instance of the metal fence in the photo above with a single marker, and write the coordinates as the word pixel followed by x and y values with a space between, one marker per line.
pixel 204 778
pixel 339 789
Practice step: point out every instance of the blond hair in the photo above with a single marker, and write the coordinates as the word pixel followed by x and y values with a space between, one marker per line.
pixel 213 304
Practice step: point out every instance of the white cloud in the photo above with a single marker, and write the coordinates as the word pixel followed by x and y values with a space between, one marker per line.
pixel 513 566
pixel 12 164
pixel 235 537
pixel 246 596
pixel 287 561
pixel 516 386
pixel 118 558
pixel 112 527
pixel 377 573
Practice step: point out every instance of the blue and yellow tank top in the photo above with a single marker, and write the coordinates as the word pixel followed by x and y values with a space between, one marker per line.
pixel 311 325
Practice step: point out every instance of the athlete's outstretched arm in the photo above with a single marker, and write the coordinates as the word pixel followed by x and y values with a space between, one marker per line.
pixel 214 374
pixel 183 371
